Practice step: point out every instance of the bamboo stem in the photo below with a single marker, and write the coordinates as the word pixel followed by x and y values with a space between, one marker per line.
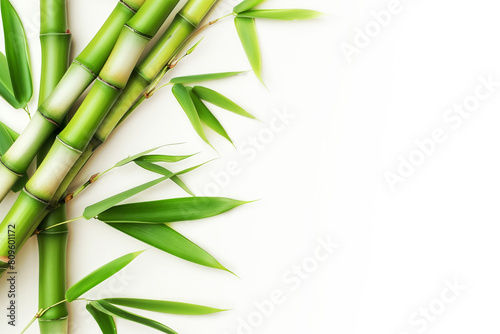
pixel 55 40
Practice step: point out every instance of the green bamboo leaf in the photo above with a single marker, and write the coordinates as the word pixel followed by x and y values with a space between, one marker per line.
pixel 204 77
pixel 191 50
pixel 247 32
pixel 105 321
pixel 7 138
pixel 6 90
pixel 170 241
pixel 182 95
pixel 99 275
pixel 170 210
pixel 112 310
pixel 208 118
pixel 246 5
pixel 163 171
pixel 282 14
pixel 95 209
pixel 163 158
pixel 138 156
pixel 220 100
pixel 163 306
pixel 16 50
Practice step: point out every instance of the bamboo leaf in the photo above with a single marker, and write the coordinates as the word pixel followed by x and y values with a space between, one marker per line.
pixel 137 156
pixel 170 210
pixel 163 158
pixel 247 5
pixel 182 95
pixel 247 32
pixel 105 321
pixel 163 171
pixel 204 77
pixel 220 100
pixel 7 138
pixel 208 118
pixel 99 275
pixel 95 209
pixel 170 241
pixel 282 14
pixel 163 306
pixel 6 90
pixel 112 310
pixel 16 51
pixel 191 50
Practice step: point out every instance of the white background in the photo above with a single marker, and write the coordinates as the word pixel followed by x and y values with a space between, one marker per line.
pixel 321 176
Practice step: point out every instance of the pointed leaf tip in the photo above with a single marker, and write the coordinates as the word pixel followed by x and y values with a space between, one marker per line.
pixel 247 31
pixel 220 101
pixel 99 275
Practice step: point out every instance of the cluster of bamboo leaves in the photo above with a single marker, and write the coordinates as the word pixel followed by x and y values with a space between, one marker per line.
pixel 145 221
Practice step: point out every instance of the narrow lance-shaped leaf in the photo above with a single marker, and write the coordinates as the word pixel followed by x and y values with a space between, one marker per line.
pixel 170 210
pixel 118 312
pixel 6 90
pixel 138 156
pixel 165 238
pixel 182 95
pixel 7 138
pixel 95 209
pixel 163 171
pixel 16 51
pixel 247 5
pixel 99 275
pixel 191 49
pixel 105 321
pixel 208 118
pixel 163 158
pixel 247 32
pixel 204 77
pixel 163 306
pixel 220 100
pixel 282 14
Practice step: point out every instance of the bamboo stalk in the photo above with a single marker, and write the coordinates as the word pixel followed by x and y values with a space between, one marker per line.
pixel 53 110
pixel 75 137
pixel 52 273
pixel 55 44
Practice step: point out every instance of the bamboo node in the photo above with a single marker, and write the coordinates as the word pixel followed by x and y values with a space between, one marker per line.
pixel 93 178
pixel 68 197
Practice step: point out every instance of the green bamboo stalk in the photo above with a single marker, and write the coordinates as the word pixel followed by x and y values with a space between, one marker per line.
pixel 55 44
pixel 71 142
pixel 53 110
pixel 187 20
pixel 52 273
